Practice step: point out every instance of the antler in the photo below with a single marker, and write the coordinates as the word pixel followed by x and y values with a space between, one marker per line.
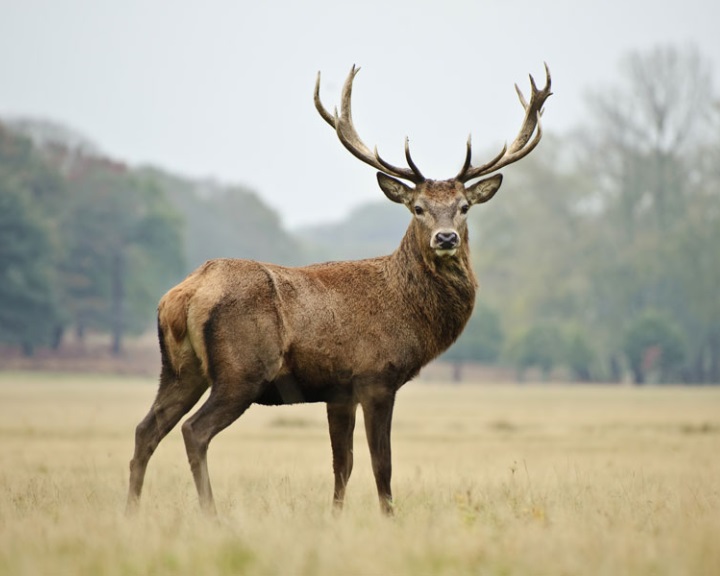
pixel 520 146
pixel 343 125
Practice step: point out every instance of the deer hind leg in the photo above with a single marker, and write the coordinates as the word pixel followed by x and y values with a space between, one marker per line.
pixel 222 408
pixel 341 421
pixel 174 399
pixel 378 410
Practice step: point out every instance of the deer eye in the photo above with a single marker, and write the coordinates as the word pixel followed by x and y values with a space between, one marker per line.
pixel 464 208
pixel 418 210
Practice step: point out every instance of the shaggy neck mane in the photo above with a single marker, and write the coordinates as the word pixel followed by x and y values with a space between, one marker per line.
pixel 440 292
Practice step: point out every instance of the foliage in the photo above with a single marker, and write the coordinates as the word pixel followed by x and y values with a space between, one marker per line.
pixel 224 221
pixel 481 341
pixel 616 219
pixel 28 310
pixel 541 346
pixel 645 149
pixel 123 247
pixel 30 194
pixel 580 356
pixel 370 230
pixel 652 343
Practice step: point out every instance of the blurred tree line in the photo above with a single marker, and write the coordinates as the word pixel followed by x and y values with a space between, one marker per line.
pixel 602 252
pixel 599 257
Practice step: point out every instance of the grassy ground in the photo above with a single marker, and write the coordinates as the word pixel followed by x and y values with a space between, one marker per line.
pixel 487 479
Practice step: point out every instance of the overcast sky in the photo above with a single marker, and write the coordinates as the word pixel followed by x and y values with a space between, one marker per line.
pixel 224 89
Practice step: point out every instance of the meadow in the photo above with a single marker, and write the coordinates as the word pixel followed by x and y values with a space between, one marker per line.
pixel 488 479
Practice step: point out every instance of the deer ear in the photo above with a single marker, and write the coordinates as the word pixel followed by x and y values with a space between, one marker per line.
pixel 394 189
pixel 483 190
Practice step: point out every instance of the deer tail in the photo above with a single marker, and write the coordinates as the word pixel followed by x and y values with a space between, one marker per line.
pixel 173 312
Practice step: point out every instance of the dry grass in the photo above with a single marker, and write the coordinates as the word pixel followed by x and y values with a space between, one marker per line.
pixel 488 480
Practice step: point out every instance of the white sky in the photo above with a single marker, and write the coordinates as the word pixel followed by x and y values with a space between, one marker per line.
pixel 224 89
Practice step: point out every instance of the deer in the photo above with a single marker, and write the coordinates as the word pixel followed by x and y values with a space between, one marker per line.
pixel 344 333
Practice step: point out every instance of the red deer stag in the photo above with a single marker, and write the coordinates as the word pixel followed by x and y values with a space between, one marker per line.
pixel 343 333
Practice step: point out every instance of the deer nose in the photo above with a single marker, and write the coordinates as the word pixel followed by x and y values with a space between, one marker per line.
pixel 447 240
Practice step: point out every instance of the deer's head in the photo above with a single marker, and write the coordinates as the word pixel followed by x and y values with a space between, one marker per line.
pixel 439 207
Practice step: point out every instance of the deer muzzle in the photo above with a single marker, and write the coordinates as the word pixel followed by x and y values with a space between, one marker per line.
pixel 445 242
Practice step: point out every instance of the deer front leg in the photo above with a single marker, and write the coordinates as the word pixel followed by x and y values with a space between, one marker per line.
pixel 378 410
pixel 341 422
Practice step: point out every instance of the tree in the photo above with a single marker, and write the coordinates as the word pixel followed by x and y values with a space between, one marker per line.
pixel 28 308
pixel 125 249
pixel 541 346
pixel 370 230
pixel 481 341
pixel 653 344
pixel 643 128
pixel 645 137
pixel 580 356
pixel 695 265
pixel 30 196
pixel 224 221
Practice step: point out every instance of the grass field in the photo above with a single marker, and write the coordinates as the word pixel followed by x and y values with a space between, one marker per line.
pixel 507 480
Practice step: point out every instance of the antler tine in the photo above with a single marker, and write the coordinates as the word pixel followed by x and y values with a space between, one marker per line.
pixel 522 145
pixel 465 173
pixel 521 96
pixel 409 159
pixel 392 169
pixel 468 156
pixel 343 125
pixel 329 118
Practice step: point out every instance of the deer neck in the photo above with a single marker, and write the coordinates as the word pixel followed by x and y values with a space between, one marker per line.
pixel 440 291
